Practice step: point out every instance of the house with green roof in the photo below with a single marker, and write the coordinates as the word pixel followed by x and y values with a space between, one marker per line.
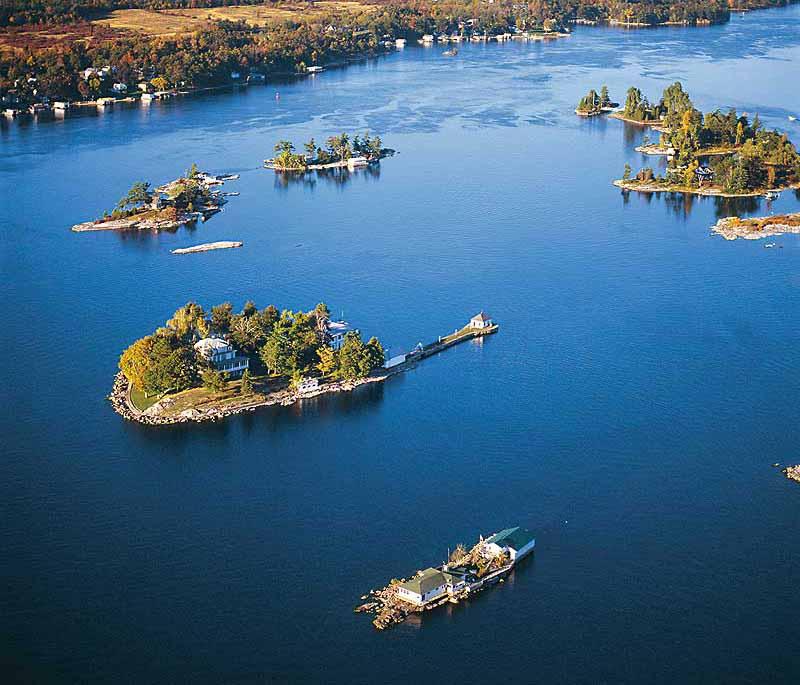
pixel 429 585
pixel 516 542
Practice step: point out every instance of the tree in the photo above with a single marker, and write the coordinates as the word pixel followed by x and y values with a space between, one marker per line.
pixel 605 100
pixel 193 171
pixel 627 173
pixel 135 361
pixel 214 380
pixel 159 83
pixel 328 360
pixel 189 322
pixel 221 317
pixel 137 196
pixel 310 148
pixel 247 384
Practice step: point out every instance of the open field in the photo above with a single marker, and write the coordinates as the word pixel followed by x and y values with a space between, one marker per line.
pixel 176 21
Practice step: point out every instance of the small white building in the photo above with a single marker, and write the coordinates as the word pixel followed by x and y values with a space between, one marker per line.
pixel 394 361
pixel 356 162
pixel 120 88
pixel 400 43
pixel 481 321
pixel 516 542
pixel 427 38
pixel 429 585
pixel 222 356
pixel 307 385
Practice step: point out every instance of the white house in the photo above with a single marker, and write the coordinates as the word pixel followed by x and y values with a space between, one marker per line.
pixel 336 332
pixel 480 321
pixel 429 585
pixel 120 88
pixel 222 356
pixel 355 162
pixel 400 43
pixel 427 38
pixel 516 542
pixel 307 385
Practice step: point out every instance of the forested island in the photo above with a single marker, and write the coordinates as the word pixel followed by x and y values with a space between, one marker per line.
pixel 593 103
pixel 202 363
pixel 86 50
pixel 339 151
pixel 185 200
pixel 717 153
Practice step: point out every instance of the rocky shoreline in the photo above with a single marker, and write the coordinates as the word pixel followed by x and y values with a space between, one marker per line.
pixel 121 402
pixel 733 227
pixel 651 187
pixel 207 247
pixel 792 473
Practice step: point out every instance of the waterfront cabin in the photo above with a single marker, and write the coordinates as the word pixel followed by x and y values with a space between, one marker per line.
pixel 356 162
pixel 481 321
pixel 400 43
pixel 516 542
pixel 336 331
pixel 429 585
pixel 307 385
pixel 427 39
pixel 62 105
pixel 146 87
pixel 705 174
pixel 314 70
pixel 222 356
pixel 120 88
pixel 105 102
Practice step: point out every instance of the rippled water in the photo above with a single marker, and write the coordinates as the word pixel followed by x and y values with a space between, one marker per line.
pixel 643 383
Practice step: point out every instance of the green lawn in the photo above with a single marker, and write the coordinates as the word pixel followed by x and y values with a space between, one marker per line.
pixel 140 401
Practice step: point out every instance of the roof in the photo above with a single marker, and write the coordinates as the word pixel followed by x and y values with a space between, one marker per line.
pixel 208 345
pixel 516 538
pixel 427 580
pixel 480 316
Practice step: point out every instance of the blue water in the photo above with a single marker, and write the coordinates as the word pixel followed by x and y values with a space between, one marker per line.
pixel 644 381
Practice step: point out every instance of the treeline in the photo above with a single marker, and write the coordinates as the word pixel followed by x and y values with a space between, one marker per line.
pixel 337 149
pixel 433 15
pixel 285 343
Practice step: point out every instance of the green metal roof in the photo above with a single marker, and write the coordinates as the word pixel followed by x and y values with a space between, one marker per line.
pixel 512 537
pixel 426 581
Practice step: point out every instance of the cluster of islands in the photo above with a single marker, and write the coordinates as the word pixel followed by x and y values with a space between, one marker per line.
pixel 722 154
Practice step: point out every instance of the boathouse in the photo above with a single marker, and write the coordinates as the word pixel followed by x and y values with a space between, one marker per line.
pixel 516 542
pixel 480 321
pixel 307 385
pixel 222 356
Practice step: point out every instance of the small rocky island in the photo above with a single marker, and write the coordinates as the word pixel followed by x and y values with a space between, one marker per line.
pixel 208 247
pixel 592 104
pixel 487 563
pixel 792 473
pixel 190 198
pixel 203 367
pixel 340 152
pixel 720 154
pixel 755 228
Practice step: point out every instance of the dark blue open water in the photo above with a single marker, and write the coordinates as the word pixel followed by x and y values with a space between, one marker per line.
pixel 644 381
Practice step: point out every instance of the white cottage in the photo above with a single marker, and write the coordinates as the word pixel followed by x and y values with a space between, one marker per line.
pixel 307 385
pixel 429 585
pixel 222 355
pixel 481 321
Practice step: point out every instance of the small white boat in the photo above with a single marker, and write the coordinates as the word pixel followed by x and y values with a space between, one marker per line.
pixel 768 245
pixel 792 118
pixel 772 195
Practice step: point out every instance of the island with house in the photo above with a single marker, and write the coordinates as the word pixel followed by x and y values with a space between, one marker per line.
pixel 188 199
pixel 204 366
pixel 718 153
pixel 792 473
pixel 465 573
pixel 340 152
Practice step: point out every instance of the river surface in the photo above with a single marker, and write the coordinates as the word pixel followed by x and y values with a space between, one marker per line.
pixel 643 383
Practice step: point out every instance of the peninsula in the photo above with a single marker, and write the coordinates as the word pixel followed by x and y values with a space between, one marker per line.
pixel 339 152
pixel 185 200
pixel 464 574
pixel 756 228
pixel 203 368
pixel 718 153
